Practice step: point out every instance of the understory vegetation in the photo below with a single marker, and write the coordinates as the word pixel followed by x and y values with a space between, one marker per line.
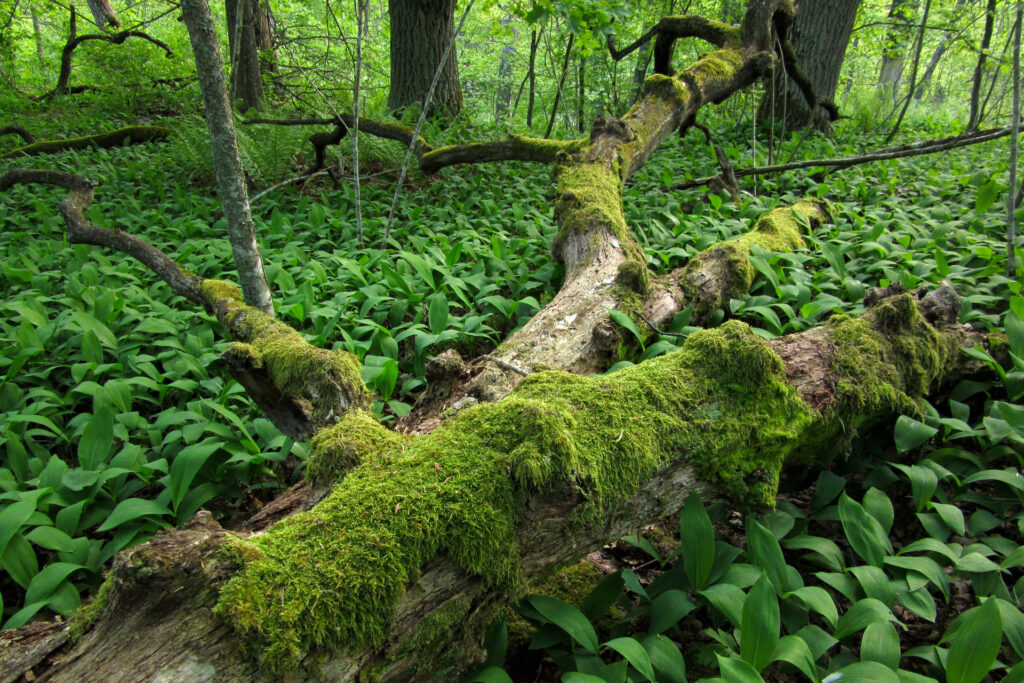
pixel 119 417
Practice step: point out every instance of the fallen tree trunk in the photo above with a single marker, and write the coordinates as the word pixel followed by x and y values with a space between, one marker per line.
pixel 401 565
pixel 421 539
pixel 129 135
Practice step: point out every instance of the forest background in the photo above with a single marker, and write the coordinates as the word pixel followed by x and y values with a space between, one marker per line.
pixel 119 416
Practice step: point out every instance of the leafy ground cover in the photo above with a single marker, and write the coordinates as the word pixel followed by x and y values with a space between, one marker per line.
pixel 117 418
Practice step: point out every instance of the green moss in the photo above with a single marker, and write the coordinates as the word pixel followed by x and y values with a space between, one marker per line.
pixel 87 615
pixel 666 88
pixel 729 262
pixel 338 448
pixel 331 577
pixel 129 134
pixel 590 196
pixel 634 275
pixel 881 360
pixel 301 371
pixel 720 65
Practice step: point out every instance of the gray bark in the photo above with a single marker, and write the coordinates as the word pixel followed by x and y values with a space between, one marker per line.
pixel 227 164
pixel 420 32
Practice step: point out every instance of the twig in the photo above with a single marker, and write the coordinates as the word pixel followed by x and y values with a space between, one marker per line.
pixel 661 332
pixel 505 365
pixel 305 176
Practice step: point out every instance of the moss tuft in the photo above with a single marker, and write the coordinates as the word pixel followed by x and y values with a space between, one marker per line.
pixel 720 65
pixel 87 615
pixel 633 275
pixel 338 448
pixel 722 401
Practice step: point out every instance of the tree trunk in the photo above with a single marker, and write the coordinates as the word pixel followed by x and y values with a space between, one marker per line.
pixel 420 31
pixel 103 13
pixel 940 50
pixel 504 96
pixel 40 53
pixel 420 540
pixel 890 74
pixel 249 39
pixel 979 69
pixel 581 90
pixel 561 85
pixel 532 72
pixel 234 197
pixel 819 36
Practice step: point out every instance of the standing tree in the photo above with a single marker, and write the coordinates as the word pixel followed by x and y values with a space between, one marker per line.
pixel 403 547
pixel 420 32
pixel 979 69
pixel 820 35
pixel 897 37
pixel 251 44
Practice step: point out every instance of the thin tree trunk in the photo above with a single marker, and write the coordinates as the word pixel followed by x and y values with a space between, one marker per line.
pixel 913 72
pixel 227 165
pixel 532 73
pixel 248 36
pixel 1011 201
pixel 103 13
pixel 940 50
pixel 561 83
pixel 890 74
pixel 974 120
pixel 504 96
pixel 39 38
pixel 581 95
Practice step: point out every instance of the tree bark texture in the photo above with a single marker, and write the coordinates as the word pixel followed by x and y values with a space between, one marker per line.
pixel 103 13
pixel 890 73
pixel 979 69
pixel 819 36
pixel 508 51
pixel 416 541
pixel 532 73
pixel 420 31
pixel 249 39
pixel 234 197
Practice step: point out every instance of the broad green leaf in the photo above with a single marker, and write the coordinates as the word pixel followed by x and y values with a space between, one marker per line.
pixel 862 613
pixel 97 440
pixel 186 465
pixel 603 596
pixel 697 541
pixel 760 624
pixel 817 599
pixel 735 670
pixel 665 658
pixel 880 643
pixel 826 552
pixel 866 672
pixel 496 642
pixel 132 509
pixel 728 600
pixel 975 644
pixel 865 534
pixel 909 433
pixel 624 320
pixel 667 609
pixel 438 317
pixel 12 518
pixel 567 618
pixel 879 506
pixel 47 580
pixel 763 548
pixel 794 650
pixel 634 653
pixel 492 674
pixel 874 583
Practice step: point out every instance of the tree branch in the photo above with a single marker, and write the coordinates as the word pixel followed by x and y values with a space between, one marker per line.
pixel 299 387
pixel 912 150
pixel 19 131
pixel 131 135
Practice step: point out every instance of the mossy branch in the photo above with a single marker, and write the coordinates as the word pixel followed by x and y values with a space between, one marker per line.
pixel 300 387
pixel 26 137
pixel 129 135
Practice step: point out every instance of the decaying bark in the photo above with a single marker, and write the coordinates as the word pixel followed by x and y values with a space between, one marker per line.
pixel 130 135
pixel 419 540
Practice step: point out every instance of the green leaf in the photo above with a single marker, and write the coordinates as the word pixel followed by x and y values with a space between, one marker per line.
pixel 951 515
pixel 665 658
pixel 12 518
pixel 186 465
pixel 863 612
pixel 975 644
pixel 727 599
pixel 667 609
pixel 763 548
pixel 977 563
pixel 438 316
pixel 697 541
pixel 879 506
pixel 794 650
pixel 909 433
pixel 735 670
pixel 880 643
pixel 132 509
pixel 97 440
pixel 492 674
pixel 986 196
pixel 46 582
pixel 580 677
pixel 603 596
pixel 1013 625
pixel 874 583
pixel 634 653
pixel 826 552
pixel 866 672
pixel 624 320
pixel 567 618
pixel 817 599
pixel 760 624
pixel 865 534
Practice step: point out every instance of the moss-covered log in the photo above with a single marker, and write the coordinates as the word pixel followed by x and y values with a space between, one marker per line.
pixel 453 524
pixel 130 135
